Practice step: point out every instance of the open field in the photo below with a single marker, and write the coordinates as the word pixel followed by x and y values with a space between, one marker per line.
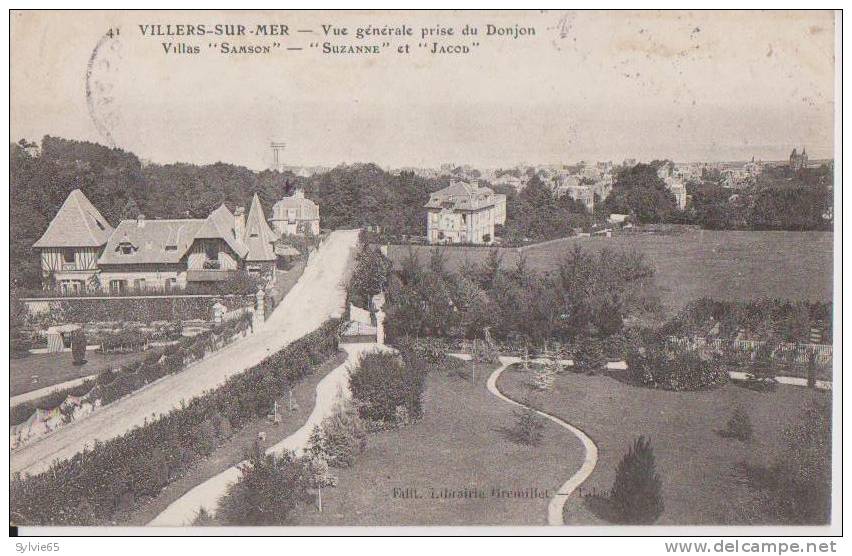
pixel 729 265
pixel 459 443
pixel 696 464
pixel 54 368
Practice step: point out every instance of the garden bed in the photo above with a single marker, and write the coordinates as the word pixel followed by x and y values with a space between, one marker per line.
pixel 55 368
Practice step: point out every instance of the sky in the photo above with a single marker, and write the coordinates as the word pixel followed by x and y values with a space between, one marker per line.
pixel 690 86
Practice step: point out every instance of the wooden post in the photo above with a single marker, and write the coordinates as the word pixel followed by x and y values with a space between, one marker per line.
pixel 319 498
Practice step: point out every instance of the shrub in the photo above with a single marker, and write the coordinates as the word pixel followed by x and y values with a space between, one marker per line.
pixel 636 495
pixel 678 369
pixel 78 346
pixel 761 374
pixel 268 491
pixel 588 356
pixel 739 426
pixel 340 437
pixel 203 518
pixel 528 428
pixel 381 383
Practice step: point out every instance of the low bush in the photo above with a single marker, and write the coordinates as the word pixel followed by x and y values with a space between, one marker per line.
pixel 739 426
pixel 268 491
pixel 78 347
pixel 339 438
pixel 382 382
pixel 528 428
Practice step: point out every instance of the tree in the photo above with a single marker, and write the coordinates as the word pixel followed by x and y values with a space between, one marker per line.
pixel 529 427
pixel 130 211
pixel 639 191
pixel 267 492
pixel 381 383
pixel 78 346
pixel 636 495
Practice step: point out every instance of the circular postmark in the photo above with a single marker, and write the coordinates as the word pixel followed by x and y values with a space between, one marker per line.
pixel 101 72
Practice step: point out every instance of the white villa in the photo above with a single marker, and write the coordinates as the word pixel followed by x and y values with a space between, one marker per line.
pixel 464 213
pixel 296 215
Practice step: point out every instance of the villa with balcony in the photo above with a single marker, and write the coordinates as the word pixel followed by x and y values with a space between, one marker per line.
pixel 81 252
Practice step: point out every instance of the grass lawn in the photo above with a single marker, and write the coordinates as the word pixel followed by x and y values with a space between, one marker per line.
pixel 696 464
pixel 728 265
pixel 459 443
pixel 54 368
pixel 235 449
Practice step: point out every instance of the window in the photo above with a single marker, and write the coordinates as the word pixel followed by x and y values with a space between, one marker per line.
pixel 170 283
pixel 68 255
pixel 117 286
pixel 171 247
pixel 211 251
pixel 139 284
pixel 126 248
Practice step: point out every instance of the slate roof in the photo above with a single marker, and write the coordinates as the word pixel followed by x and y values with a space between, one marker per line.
pixel 220 224
pixel 461 195
pixel 259 237
pixel 154 241
pixel 77 224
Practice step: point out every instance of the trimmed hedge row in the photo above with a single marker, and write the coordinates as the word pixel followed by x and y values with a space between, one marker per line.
pixel 100 485
pixel 112 385
pixel 139 309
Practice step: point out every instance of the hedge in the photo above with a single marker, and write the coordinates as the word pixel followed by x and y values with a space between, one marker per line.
pixel 112 385
pixel 100 485
pixel 674 369
pixel 140 309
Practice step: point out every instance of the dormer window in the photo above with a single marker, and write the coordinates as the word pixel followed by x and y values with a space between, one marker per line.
pixel 171 247
pixel 126 248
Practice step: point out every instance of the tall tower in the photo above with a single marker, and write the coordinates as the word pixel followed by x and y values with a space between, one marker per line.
pixel 277 159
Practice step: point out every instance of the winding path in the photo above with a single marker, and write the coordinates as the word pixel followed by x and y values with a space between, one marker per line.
pixel 333 387
pixel 554 509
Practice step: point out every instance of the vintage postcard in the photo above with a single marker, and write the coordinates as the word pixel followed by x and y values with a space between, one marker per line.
pixel 298 270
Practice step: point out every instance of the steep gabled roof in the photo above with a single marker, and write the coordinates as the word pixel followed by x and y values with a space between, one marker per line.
pixel 259 237
pixel 152 241
pixel 77 224
pixel 220 225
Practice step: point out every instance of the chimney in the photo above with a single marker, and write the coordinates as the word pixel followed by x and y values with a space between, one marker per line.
pixel 140 220
pixel 240 222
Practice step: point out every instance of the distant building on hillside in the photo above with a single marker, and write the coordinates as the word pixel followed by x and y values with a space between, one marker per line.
pixel 464 213
pixel 798 161
pixel 296 215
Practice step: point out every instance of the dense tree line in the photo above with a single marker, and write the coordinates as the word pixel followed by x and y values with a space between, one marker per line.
pixel 121 186
pixel 589 294
pixel 779 199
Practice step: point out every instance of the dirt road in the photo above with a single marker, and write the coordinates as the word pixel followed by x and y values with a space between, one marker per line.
pixel 318 294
